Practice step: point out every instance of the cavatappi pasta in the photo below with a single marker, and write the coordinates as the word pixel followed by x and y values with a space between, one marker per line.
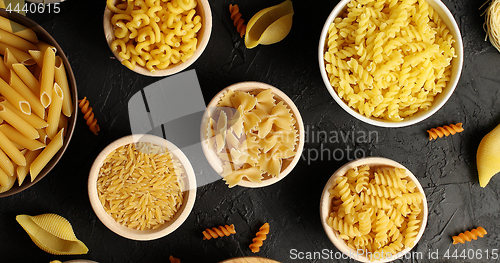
pixel 388 59
pixel 154 34
pixel 376 210
pixel 33 98
pixel 139 185
pixel 252 134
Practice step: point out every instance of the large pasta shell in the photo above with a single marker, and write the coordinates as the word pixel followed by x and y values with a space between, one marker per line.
pixel 488 156
pixel 270 25
pixel 53 234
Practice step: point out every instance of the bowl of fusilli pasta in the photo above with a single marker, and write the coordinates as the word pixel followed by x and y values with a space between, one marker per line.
pixel 157 38
pixel 373 209
pixel 390 63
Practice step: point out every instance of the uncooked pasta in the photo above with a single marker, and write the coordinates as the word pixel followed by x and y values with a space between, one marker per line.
pixel 491 25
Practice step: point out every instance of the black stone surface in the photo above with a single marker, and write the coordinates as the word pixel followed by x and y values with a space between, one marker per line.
pixel 446 167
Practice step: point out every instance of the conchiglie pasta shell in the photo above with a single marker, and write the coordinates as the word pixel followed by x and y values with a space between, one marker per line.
pixel 488 156
pixel 52 233
pixel 269 25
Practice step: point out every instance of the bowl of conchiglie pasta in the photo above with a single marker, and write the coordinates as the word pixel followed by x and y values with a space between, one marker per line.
pixel 157 38
pixel 374 210
pixel 252 134
pixel 390 65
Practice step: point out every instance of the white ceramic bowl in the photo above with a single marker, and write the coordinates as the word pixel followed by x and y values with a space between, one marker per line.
pixel 326 204
pixel 287 165
pixel 440 100
pixel 202 9
pixel 188 180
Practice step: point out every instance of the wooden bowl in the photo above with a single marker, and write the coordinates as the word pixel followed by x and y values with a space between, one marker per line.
pixel 287 165
pixel 326 205
pixel 202 9
pixel 45 36
pixel 188 180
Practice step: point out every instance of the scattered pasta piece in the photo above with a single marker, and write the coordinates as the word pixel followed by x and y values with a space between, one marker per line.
pixel 52 233
pixel 252 134
pixel 389 59
pixel 376 210
pixel 488 156
pixel 469 235
pixel 89 115
pixel 269 25
pixel 445 130
pixel 258 241
pixel 218 232
pixel 174 260
pixel 238 21
pixel 135 180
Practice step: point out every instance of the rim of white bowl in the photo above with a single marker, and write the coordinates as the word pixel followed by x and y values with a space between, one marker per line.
pixel 441 99
pixel 251 86
pixel 149 234
pixel 325 205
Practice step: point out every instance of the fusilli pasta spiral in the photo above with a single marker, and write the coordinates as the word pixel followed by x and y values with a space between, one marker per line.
pixel 469 235
pixel 218 232
pixel 445 130
pixel 88 115
pixel 260 237
pixel 238 21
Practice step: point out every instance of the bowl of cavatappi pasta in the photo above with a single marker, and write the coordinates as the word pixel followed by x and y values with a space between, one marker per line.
pixel 252 134
pixel 390 63
pixel 373 209
pixel 142 187
pixel 38 102
pixel 157 38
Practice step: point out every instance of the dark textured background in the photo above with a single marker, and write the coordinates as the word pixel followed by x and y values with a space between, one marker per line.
pixel 445 167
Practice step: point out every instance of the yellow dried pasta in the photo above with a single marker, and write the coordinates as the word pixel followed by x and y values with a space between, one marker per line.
pixel 383 215
pixel 139 185
pixel 252 134
pixel 388 59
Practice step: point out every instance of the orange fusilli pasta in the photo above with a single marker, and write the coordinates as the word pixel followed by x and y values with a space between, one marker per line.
pixel 260 237
pixel 238 21
pixel 445 131
pixel 469 235
pixel 218 232
pixel 89 115
pixel 174 260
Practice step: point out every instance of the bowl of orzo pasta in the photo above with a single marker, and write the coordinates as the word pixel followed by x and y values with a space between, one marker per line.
pixel 142 187
pixel 390 63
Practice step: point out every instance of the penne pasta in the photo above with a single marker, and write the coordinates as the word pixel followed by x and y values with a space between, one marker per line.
pixel 16 137
pixel 18 85
pixel 42 45
pixel 32 119
pixel 54 111
pixel 20 55
pixel 14 97
pixel 15 41
pixel 20 30
pixel 22 171
pixel 46 155
pixel 19 147
pixel 19 124
pixel 37 55
pixel 47 80
pixel 63 123
pixel 6 164
pixel 4 71
pixel 4 178
pixel 9 59
pixel 25 75
pixel 11 150
pixel 43 136
pixel 62 80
